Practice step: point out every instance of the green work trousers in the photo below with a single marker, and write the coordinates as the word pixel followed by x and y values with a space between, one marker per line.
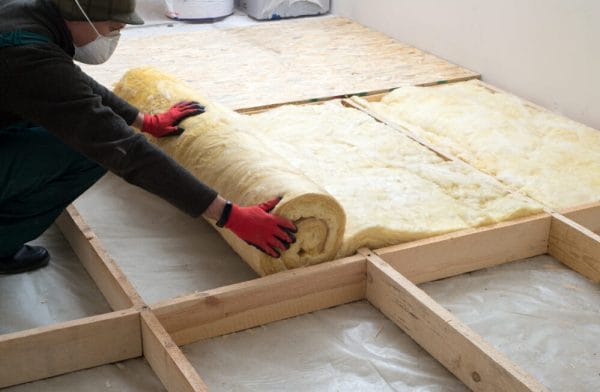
pixel 39 177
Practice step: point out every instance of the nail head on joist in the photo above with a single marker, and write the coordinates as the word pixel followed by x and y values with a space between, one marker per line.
pixel 476 377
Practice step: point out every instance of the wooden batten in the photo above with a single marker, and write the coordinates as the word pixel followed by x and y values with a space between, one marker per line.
pixel 376 96
pixel 44 352
pixel 464 353
pixel 166 359
pixel 312 101
pixel 108 276
pixel 371 96
pixel 275 297
pixel 576 246
pixel 469 250
pixel 587 216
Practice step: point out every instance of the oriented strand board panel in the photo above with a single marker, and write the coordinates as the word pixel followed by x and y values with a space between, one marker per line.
pixel 284 61
pixel 548 157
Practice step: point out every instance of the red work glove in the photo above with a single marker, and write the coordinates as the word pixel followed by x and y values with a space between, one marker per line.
pixel 165 124
pixel 267 232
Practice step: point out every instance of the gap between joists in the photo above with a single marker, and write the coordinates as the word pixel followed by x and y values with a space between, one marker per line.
pixel 458 348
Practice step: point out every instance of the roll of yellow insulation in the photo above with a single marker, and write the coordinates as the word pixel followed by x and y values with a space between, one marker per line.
pixel 218 148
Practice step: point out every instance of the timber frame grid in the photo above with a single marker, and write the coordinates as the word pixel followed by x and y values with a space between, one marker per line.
pixel 387 278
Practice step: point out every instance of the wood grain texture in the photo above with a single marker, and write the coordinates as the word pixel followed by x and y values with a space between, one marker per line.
pixel 587 216
pixel 464 353
pixel 284 61
pixel 62 348
pixel 575 246
pixel 166 359
pixel 469 250
pixel 276 297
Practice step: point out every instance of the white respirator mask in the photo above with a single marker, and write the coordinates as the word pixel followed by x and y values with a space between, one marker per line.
pixel 99 50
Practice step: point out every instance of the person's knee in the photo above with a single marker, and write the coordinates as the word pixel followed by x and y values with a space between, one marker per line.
pixel 56 160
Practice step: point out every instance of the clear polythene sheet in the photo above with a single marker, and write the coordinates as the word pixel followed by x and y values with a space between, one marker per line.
pixel 545 317
pixel 61 292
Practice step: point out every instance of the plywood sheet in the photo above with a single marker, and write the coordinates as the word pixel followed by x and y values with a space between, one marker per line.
pixel 285 61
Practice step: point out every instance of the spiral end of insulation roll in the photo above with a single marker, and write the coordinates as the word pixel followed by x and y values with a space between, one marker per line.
pixel 321 222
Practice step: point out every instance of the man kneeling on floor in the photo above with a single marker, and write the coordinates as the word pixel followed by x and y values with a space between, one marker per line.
pixel 60 131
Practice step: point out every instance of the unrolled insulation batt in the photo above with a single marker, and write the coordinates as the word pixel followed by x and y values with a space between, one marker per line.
pixel 546 156
pixel 329 162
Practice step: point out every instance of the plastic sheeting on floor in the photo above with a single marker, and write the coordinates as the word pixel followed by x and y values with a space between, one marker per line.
pixel 347 348
pixel 163 252
pixel 62 291
pixel 127 376
pixel 545 317
pixel 542 315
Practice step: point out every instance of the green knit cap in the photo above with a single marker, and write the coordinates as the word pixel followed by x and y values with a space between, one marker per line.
pixel 100 10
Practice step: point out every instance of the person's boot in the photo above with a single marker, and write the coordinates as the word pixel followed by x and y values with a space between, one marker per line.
pixel 26 259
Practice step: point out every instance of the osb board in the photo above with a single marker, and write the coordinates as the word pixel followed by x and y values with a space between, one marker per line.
pixel 284 61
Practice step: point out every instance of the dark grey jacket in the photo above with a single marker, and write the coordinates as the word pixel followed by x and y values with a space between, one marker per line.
pixel 40 83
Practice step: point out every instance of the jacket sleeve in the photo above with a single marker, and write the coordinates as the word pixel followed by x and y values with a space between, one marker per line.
pixel 47 88
pixel 118 105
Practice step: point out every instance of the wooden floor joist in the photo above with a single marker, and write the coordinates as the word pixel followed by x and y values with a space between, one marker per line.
pixel 166 359
pixel 464 353
pixel 66 347
pixel 587 216
pixel 576 246
pixel 275 297
pixel 469 250
pixel 154 343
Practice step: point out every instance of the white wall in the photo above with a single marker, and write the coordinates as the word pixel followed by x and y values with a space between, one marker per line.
pixel 547 51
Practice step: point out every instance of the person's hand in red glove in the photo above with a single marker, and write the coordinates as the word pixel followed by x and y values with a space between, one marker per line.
pixel 167 123
pixel 269 233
